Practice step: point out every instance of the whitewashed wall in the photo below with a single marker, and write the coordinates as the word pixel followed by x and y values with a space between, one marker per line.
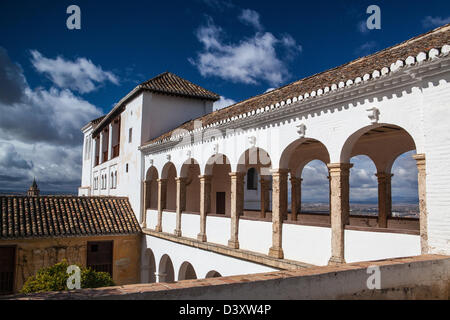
pixel 203 261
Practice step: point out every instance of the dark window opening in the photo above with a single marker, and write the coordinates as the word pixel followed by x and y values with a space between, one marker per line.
pixel 7 265
pixel 252 182
pixel 220 203
pixel 100 256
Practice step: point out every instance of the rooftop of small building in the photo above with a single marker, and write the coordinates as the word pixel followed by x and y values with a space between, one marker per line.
pixel 166 83
pixel 31 217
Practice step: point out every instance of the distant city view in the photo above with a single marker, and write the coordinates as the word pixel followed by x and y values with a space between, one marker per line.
pixel 407 210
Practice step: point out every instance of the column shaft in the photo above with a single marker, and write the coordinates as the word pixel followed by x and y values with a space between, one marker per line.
pixel 339 208
pixel 181 203
pixel 279 209
pixel 421 181
pixel 264 195
pixel 296 196
pixel 205 205
pixel 162 196
pixel 237 206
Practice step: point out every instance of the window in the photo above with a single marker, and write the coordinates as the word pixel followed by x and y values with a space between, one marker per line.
pixel 126 168
pixel 252 179
pixel 7 266
pixel 111 181
pixel 130 135
pixel 115 180
pixel 100 256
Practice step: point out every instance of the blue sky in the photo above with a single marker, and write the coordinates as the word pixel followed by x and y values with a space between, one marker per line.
pixel 236 49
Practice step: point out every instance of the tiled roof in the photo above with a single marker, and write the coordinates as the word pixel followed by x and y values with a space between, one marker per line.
pixel 170 83
pixel 357 68
pixel 165 83
pixel 65 216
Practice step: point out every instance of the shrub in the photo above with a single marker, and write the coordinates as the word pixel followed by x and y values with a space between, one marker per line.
pixel 54 278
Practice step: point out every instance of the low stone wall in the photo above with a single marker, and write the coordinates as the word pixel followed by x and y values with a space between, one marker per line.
pixel 422 277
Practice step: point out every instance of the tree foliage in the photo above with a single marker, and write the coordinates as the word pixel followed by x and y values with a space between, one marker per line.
pixel 54 278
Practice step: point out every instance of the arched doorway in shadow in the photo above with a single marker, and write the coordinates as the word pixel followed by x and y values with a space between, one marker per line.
pixel 186 272
pixel 149 265
pixel 213 274
pixel 166 272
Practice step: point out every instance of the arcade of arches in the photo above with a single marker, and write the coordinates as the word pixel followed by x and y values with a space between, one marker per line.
pixel 259 189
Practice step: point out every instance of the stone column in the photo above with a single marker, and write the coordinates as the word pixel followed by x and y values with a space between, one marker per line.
pixel 181 203
pixel 384 198
pixel 296 196
pixel 339 208
pixel 389 195
pixel 237 206
pixel 162 196
pixel 205 205
pixel 144 204
pixel 421 181
pixel 100 149
pixel 110 139
pixel 279 209
pixel 264 189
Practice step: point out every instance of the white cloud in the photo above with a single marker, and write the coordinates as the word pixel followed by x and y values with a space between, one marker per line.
pixel 366 48
pixel 251 17
pixel 40 135
pixel 431 22
pixel 249 61
pixel 80 75
pixel 362 27
pixel 223 103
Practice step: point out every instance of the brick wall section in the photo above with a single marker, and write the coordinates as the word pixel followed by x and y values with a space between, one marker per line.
pixel 422 277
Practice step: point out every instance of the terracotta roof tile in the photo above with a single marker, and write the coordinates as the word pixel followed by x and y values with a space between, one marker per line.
pixel 357 68
pixel 24 217
pixel 170 83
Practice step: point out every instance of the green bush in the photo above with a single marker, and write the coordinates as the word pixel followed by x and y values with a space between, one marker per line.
pixel 54 278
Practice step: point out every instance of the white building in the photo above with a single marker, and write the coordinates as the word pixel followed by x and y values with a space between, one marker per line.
pixel 195 177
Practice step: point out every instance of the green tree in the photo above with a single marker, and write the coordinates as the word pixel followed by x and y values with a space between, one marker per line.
pixel 54 278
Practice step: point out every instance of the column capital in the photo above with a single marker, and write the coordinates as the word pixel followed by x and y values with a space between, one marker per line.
pixel 383 175
pixel 279 171
pixel 161 180
pixel 420 156
pixel 295 180
pixel 339 166
pixel 205 177
pixel 420 160
pixel 236 174
pixel 180 179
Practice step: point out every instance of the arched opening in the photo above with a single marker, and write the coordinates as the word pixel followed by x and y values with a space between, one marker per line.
pixel 405 195
pixel 314 195
pixel 191 172
pixel 213 274
pixel 383 144
pixel 218 167
pixel 149 266
pixel 186 272
pixel 169 174
pixel 363 189
pixel 151 189
pixel 308 185
pixel 165 271
pixel 256 164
